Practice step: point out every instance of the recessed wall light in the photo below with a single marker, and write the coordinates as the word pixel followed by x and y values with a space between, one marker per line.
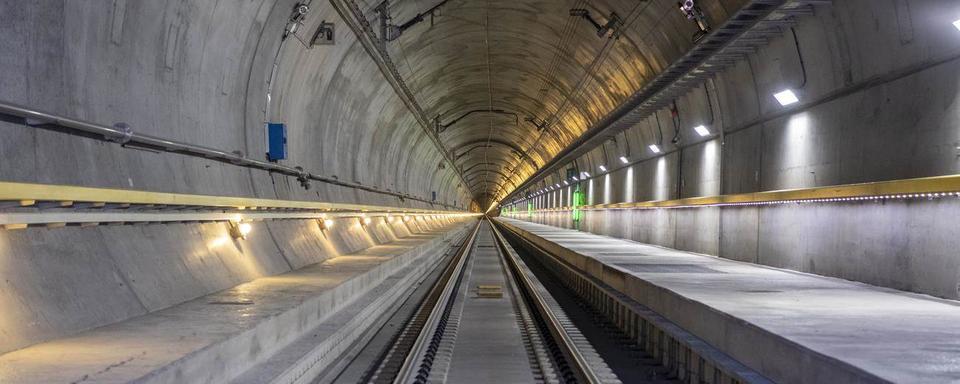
pixel 654 148
pixel 624 160
pixel 702 130
pixel 956 24
pixel 603 168
pixel 786 97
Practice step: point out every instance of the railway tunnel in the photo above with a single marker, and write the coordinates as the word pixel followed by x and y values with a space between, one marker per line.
pixel 479 191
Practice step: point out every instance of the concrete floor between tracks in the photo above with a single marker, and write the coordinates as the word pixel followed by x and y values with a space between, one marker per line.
pixel 298 320
pixel 488 346
pixel 791 327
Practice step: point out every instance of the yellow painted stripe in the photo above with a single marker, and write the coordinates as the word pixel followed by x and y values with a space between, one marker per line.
pixel 29 193
pixel 937 184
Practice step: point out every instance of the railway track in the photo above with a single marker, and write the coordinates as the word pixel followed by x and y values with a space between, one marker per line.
pixel 487 318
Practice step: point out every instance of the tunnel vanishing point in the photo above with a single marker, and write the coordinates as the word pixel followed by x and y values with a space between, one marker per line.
pixel 479 191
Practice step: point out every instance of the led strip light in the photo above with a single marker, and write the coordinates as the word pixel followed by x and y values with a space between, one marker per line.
pixel 928 188
pixel 59 205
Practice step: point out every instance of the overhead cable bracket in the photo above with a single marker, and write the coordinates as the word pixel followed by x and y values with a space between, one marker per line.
pixel 610 30
pixel 440 127
pixel 391 32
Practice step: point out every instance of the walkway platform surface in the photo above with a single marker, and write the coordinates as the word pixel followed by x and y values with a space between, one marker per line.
pixel 217 337
pixel 789 326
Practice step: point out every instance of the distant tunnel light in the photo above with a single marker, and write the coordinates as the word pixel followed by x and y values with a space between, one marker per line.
pixel 702 130
pixel 558 184
pixel 624 160
pixel 786 97
pixel 603 168
pixel 654 148
pixel 585 175
pixel 956 24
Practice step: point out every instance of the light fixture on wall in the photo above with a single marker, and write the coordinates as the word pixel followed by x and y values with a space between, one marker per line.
pixel 623 159
pixel 585 175
pixel 702 130
pixel 325 224
pixel 565 183
pixel 956 24
pixel 558 184
pixel 406 218
pixel 786 97
pixel 365 220
pixel 240 230
pixel 603 168
pixel 654 148
pixel 575 178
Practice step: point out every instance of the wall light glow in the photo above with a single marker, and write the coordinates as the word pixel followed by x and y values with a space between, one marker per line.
pixel 240 230
pixel 603 168
pixel 701 130
pixel 654 148
pixel 786 97
pixel 624 160
pixel 328 223
pixel 956 24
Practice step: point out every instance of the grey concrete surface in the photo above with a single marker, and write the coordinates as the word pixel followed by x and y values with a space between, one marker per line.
pixel 877 82
pixel 489 346
pixel 57 282
pixel 215 338
pixel 902 244
pixel 879 78
pixel 791 327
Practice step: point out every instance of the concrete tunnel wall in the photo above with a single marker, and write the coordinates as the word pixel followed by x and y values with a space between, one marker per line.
pixel 192 71
pixel 880 103
pixel 200 72
pixel 59 282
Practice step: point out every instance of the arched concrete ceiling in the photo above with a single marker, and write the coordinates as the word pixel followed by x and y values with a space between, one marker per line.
pixel 532 59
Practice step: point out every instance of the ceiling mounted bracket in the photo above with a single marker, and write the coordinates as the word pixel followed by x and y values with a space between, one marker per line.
pixel 609 30
pixel 440 127
pixel 391 32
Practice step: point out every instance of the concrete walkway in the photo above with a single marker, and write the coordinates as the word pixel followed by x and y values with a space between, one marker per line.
pixel 789 326
pixel 217 337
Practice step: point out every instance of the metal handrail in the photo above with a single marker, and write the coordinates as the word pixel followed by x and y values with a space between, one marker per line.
pixel 40 119
pixel 916 188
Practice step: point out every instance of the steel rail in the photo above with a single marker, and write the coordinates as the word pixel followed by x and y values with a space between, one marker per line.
pixel 126 137
pixel 584 369
pixel 408 371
